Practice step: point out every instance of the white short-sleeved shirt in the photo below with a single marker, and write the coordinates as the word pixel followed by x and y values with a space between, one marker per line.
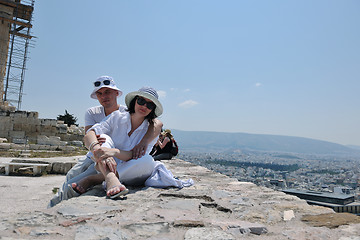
pixel 117 125
pixel 97 114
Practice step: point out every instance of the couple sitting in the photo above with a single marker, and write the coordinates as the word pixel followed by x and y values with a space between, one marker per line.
pixel 118 139
pixel 119 133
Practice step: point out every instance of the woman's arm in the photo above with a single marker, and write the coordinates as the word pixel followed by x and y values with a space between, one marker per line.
pixel 164 142
pixel 152 133
pixel 100 153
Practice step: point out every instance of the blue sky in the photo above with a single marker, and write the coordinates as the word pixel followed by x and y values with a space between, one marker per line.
pixel 269 67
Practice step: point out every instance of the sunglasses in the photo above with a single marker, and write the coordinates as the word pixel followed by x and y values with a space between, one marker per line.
pixel 141 101
pixel 105 82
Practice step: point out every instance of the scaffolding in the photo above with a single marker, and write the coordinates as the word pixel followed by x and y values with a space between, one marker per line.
pixel 18 42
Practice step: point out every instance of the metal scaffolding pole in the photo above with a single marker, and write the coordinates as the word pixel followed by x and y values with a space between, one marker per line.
pixel 20 41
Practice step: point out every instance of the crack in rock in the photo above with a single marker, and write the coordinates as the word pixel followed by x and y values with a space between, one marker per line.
pixel 201 197
pixel 217 207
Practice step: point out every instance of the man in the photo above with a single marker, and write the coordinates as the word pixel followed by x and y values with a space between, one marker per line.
pixel 106 92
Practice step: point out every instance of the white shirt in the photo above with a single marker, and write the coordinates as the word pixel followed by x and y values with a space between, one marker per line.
pixel 117 125
pixel 97 114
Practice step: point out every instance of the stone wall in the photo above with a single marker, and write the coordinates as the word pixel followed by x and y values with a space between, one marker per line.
pixel 25 127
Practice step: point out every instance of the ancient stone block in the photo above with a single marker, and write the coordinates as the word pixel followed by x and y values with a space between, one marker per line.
pixel 17 134
pixel 19 140
pixel 19 114
pixel 52 140
pixel 44 147
pixel 32 134
pixel 48 122
pixel 62 128
pixel 67 148
pixel 54 148
pixel 4 146
pixel 33 114
pixel 4 134
pixel 3 113
pixel 6 126
pixel 61 168
pixel 18 120
pixel 5 123
pixel 77 143
pixel 46 128
pixel 18 127
pixel 34 146
pixel 17 146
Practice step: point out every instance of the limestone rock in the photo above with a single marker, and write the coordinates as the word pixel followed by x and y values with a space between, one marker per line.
pixel 207 234
pixel 4 146
pixel 288 215
pixel 215 207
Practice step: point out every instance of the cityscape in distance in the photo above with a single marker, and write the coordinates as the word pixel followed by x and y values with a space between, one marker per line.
pixel 277 162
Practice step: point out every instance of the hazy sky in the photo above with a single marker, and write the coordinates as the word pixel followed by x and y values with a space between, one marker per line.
pixel 269 67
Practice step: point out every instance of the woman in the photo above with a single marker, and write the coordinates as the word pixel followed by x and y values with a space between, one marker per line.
pixel 164 146
pixel 122 131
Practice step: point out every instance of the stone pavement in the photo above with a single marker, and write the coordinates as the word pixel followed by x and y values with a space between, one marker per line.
pixel 216 207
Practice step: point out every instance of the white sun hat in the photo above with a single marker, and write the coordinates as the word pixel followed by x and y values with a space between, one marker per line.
pixel 149 93
pixel 104 81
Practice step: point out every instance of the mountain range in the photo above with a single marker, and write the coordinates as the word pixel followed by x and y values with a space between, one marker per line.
pixel 204 141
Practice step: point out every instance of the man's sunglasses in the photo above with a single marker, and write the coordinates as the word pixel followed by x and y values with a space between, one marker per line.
pixel 105 82
pixel 141 101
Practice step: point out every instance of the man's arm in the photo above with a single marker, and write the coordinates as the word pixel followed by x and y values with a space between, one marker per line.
pixel 153 132
pixel 87 128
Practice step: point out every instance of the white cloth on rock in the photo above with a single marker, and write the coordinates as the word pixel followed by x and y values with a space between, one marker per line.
pixel 161 177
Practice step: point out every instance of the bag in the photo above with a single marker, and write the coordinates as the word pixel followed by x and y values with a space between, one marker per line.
pixel 174 148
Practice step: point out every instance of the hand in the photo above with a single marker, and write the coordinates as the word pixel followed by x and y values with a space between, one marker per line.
pixel 102 153
pixel 139 150
pixel 110 163
pixel 100 139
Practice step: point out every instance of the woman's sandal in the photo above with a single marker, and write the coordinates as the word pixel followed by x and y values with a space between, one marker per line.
pixel 121 193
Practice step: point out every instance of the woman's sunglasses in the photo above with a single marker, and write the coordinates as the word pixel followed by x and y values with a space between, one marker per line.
pixel 141 101
pixel 105 82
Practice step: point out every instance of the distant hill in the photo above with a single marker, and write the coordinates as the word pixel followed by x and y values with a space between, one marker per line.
pixel 202 141
pixel 353 147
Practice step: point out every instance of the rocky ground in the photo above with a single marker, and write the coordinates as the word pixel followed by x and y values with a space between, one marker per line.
pixel 216 207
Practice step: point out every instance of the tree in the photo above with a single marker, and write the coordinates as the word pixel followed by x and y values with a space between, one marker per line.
pixel 68 118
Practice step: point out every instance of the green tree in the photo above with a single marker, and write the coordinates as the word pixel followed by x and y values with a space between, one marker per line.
pixel 68 118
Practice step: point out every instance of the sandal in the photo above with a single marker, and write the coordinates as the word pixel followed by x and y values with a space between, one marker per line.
pixel 121 193
pixel 78 188
pixel 117 189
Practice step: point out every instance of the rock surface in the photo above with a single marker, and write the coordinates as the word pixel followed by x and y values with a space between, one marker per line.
pixel 215 207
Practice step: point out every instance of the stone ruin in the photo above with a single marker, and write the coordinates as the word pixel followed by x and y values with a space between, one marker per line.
pixel 24 130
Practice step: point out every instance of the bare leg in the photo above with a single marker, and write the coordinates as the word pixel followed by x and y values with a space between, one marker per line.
pixel 84 184
pixel 113 185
